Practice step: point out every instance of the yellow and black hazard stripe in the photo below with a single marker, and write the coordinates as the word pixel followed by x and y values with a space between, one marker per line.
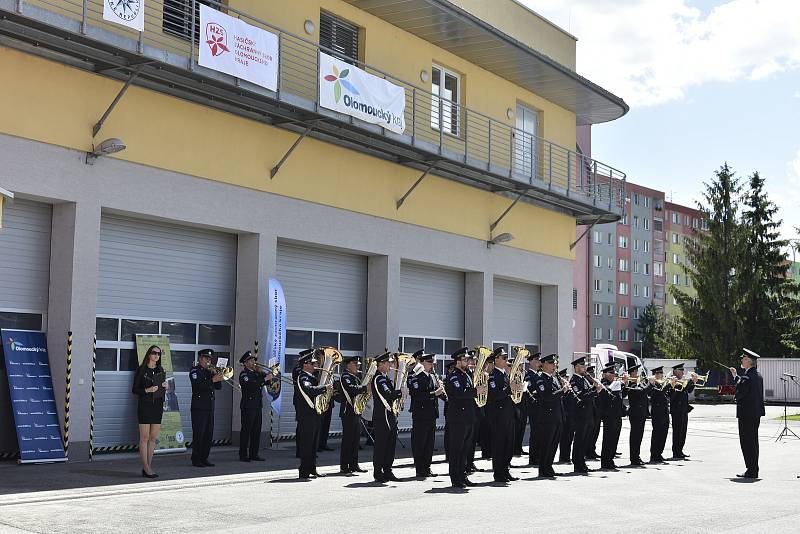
pixel 6 455
pixel 91 410
pixel 66 398
pixel 133 448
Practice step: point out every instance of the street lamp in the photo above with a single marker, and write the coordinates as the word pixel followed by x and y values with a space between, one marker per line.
pixel 502 238
pixel 641 348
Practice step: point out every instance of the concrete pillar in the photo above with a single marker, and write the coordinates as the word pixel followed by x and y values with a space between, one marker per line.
pixel 383 304
pixel 74 260
pixel 478 304
pixel 255 263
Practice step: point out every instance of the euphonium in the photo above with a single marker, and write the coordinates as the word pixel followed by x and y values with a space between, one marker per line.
pixel 361 400
pixel 479 376
pixel 400 375
pixel 330 359
pixel 517 374
pixel 701 380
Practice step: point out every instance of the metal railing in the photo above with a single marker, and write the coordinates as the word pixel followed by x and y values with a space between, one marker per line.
pixel 433 124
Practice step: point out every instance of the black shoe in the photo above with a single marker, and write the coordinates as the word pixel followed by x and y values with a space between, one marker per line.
pixel 511 478
pixel 747 475
pixel 458 485
pixel 208 464
pixel 317 475
pixel 345 472
pixel 241 459
pixel 468 483
pixel 533 464
pixel 581 471
pixel 432 474
pixel 592 456
pixel 547 474
pixel 392 478
pixel 637 463
pixel 358 469
pixel 379 478
pixel 304 476
pixel 145 475
pixel 325 448
pixel 198 464
pixel 257 459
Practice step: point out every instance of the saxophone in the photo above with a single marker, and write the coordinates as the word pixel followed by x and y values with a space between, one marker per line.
pixel 400 375
pixel 517 374
pixel 330 359
pixel 479 376
pixel 362 399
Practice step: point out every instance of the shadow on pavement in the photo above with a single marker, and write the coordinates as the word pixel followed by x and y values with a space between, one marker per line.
pixel 740 480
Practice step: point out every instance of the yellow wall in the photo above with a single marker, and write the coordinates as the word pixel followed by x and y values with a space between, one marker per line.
pixel 169 133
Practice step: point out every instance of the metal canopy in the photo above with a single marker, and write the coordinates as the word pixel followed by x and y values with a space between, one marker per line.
pixel 450 27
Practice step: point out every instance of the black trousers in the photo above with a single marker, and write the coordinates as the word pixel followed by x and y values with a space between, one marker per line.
pixel 202 434
pixel 481 434
pixel 550 436
pixel 637 432
pixel 565 443
pixel 325 427
pixel 502 443
pixel 680 424
pixel 594 435
pixel 385 442
pixel 307 431
pixel 612 426
pixel 520 421
pixel 660 423
pixel 459 438
pixel 250 435
pixel 446 440
pixel 348 455
pixel 581 427
pixel 534 439
pixel 423 434
pixel 748 440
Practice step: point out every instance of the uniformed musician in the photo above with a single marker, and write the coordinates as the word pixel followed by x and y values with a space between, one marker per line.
pixel 534 437
pixel 308 420
pixel 595 432
pixel 204 381
pixel 520 420
pixel 251 381
pixel 384 421
pixel 450 367
pixel 679 409
pixel 500 410
pixel 659 414
pixel 749 409
pixel 584 392
pixel 461 407
pixel 638 411
pixel 549 391
pixel 350 387
pixel 611 411
pixel 482 433
pixel 426 392
pixel 567 429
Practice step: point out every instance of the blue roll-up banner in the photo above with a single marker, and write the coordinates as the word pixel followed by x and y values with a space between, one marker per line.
pixel 32 398
pixel 276 340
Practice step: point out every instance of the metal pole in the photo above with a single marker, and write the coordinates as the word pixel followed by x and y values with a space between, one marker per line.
pixel 192 58
pixel 84 16
pixel 550 165
pixel 280 63
pixel 569 171
pixel 489 164
pixel 413 115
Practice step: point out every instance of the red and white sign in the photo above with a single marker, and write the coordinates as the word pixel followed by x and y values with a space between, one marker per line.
pixel 234 47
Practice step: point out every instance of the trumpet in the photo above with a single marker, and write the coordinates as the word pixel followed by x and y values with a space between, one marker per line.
pixel 227 376
pixel 700 380
pixel 274 370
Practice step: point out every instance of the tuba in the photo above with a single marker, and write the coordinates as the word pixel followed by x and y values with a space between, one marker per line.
pixel 517 374
pixel 479 377
pixel 403 361
pixel 330 359
pixel 361 400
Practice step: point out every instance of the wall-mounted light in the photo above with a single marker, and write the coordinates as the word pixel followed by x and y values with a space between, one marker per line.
pixel 308 27
pixel 510 113
pixel 423 75
pixel 109 146
pixel 505 237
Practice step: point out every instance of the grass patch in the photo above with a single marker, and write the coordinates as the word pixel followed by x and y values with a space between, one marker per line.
pixel 795 417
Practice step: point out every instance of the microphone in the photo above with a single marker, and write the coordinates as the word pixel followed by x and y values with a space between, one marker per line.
pixel 790 375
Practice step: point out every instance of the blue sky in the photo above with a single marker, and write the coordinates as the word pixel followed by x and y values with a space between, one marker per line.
pixel 708 81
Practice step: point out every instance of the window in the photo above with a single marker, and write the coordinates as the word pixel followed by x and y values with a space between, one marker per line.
pixel 623 288
pixel 658 268
pixel 646 223
pixel 445 107
pixel 623 312
pixel 624 265
pixel 646 244
pixel 598 260
pixel 596 285
pixel 625 219
pixel 598 308
pixel 646 292
pixel 636 198
pixel 177 18
pixel 676 279
pixel 411 344
pixel 674 238
pixel 636 266
pixel 658 225
pixel 676 218
pixel 659 291
pixel 676 259
pixel 611 286
pixel 636 221
pixel 598 334
pixel 635 290
pixel 611 334
pixel 623 335
pixel 610 310
pixel 646 269
pixel 694 222
pixel 623 241
pixel 646 202
pixel 636 312
pixel 688 281
pixel 610 238
pixel 610 262
pixel 339 37
pixel 686 220
pixel 635 244
pixel 598 237
pixel 674 301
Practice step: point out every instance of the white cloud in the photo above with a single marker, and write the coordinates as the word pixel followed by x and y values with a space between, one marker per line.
pixel 652 51
pixel 786 194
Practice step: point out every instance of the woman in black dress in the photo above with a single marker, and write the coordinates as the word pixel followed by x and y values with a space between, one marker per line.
pixel 147 381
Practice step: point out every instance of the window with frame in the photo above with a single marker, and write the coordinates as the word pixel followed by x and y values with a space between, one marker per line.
pixel 675 217
pixel 623 241
pixel 636 266
pixel 646 202
pixel 610 238
pixel 625 219
pixel 611 334
pixel 598 237
pixel 623 335
pixel 623 265
pixel 646 268
pixel 598 334
pixel 676 259
pixel 676 279
pixel 598 260
pixel 610 310
pixel 635 290
pixel 646 223
pixel 686 220
pixel 623 312
pixel 623 288
pixel 598 308
pixel 596 284
pixel 688 281
pixel 610 262
pixel 636 221
pixel 674 238
pixel 636 198
pixel 339 37
pixel 646 291
pixel 177 18
pixel 658 225
pixel 635 244
pixel 636 312
pixel 646 244
pixel 445 106
pixel 611 286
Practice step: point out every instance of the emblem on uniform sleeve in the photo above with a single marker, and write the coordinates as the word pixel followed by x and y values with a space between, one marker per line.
pixel 194 375
pixel 456 384
pixel 492 384
pixel 541 387
pixel 245 378
pixel 416 385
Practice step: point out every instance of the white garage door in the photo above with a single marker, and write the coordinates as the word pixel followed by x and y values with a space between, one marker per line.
pixel 156 277
pixel 517 313
pixel 326 305
pixel 431 315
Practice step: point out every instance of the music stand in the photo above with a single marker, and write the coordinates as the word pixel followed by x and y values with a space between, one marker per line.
pixel 786 430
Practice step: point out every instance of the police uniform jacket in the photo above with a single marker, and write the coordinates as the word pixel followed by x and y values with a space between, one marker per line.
pixel 638 401
pixel 251 383
pixel 203 389
pixel 679 400
pixel 549 393
pixel 583 396
pixel 350 386
pixel 499 403
pixel 306 383
pixel 611 401
pixel 461 393
pixel 383 388
pixel 749 394
pixel 659 399
pixel 424 403
pixel 532 397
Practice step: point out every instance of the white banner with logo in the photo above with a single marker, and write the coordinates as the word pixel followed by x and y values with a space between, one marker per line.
pixel 129 13
pixel 234 47
pixel 352 91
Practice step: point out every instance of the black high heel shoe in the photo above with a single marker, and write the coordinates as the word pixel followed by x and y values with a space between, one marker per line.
pixel 145 475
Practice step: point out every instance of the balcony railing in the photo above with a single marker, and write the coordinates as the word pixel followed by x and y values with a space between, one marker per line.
pixel 450 138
